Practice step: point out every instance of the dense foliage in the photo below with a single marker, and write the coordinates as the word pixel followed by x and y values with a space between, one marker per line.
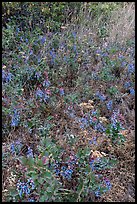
pixel 66 98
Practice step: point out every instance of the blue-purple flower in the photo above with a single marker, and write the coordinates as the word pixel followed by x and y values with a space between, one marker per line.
pixel 108 184
pixel 29 152
pixel 65 59
pixel 74 34
pixel 123 64
pixel 67 173
pixel 84 123
pixel 57 171
pixel 97 193
pixel 99 127
pixel 6 77
pixel 38 75
pixel 46 83
pixel 131 68
pixel 132 91
pixel 31 199
pixel 92 164
pixel 27 40
pixel 127 84
pixel 12 148
pixel 3 75
pixel 90 120
pixel 39 93
pixel 53 56
pixel 15 118
pixel 31 52
pixel 17 30
pixel 24 188
pixel 100 96
pixel 63 168
pixel 110 105
pixel 93 141
pixel 75 48
pixel 46 97
pixel 61 91
pixel 98 52
pixel 43 40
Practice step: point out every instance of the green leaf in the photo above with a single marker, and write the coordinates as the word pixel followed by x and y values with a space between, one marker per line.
pixel 13 192
pixel 49 189
pixel 36 181
pixel 31 172
pixel 87 151
pixel 40 163
pixel 49 117
pixel 80 186
pixel 48 174
pixel 43 198
pixel 31 161
pixel 113 161
pixel 30 124
pixel 24 160
pixel 49 194
pixel 41 180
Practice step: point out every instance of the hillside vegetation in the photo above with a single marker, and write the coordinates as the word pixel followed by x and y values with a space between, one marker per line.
pixel 68 102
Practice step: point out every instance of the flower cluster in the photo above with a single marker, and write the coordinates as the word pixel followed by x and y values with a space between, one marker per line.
pixel 15 118
pixel 97 192
pixel 110 105
pixel 92 164
pixel 53 56
pixel 98 163
pixel 100 96
pixel 31 199
pixel 108 184
pixel 127 84
pixel 84 123
pixel 56 166
pixel 93 141
pixel 107 188
pixel 43 40
pixel 38 75
pixel 67 169
pixel 70 112
pixel 66 173
pixel 25 188
pixel 61 91
pixel 30 152
pixel 43 95
pixel 16 148
pixel 91 120
pixel 95 75
pixel 46 83
pixel 72 161
pixel 115 120
pixel 6 77
pixel 98 52
pixel 132 91
pixel 131 68
pixel 88 119
pixel 99 127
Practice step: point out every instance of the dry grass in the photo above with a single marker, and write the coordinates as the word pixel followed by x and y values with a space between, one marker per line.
pixel 122 24
pixel 123 178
